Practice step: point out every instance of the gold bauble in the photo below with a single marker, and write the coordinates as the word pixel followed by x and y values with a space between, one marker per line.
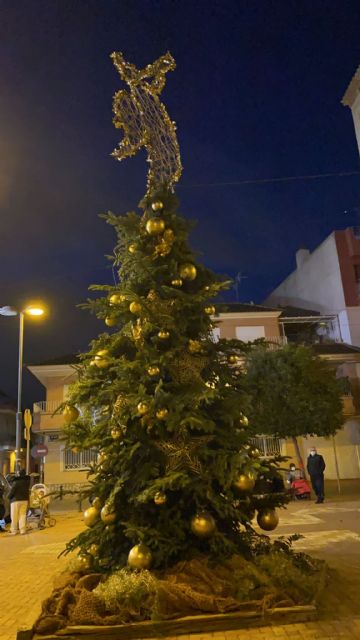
pixel 177 282
pixel 70 413
pixel 83 562
pixel 91 515
pixel 232 358
pixel 188 271
pixel 210 310
pixel 107 516
pixel 157 206
pixel 132 248
pixel 101 360
pixel 140 557
pixel 245 483
pixel 92 363
pixel 160 498
pixel 244 421
pixel 268 519
pixel 203 525
pixel 110 322
pixel 153 370
pixel 102 457
pixel 116 433
pixel 142 408
pixel 93 549
pixel 155 226
pixel 195 346
pixel 135 307
pixel 96 503
pixel 164 335
pixel 117 298
pixel 162 413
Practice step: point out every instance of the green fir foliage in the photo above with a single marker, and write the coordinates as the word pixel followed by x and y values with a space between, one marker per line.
pixel 178 430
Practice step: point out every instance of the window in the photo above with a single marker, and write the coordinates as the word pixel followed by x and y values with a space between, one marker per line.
pixel 78 461
pixel 357 277
pixel 248 334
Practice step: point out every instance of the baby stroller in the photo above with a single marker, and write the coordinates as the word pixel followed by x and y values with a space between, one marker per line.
pixel 38 515
pixel 300 489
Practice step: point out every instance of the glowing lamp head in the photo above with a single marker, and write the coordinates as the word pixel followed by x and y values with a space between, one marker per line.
pixel 34 310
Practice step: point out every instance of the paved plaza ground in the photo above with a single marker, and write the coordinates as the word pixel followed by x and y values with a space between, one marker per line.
pixel 331 530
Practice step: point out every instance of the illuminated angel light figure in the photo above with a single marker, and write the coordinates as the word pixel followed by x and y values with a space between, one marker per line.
pixel 145 121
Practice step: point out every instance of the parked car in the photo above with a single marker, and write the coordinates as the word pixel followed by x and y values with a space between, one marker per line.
pixel 4 490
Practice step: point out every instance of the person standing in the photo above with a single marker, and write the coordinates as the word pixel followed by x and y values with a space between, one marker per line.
pixel 316 466
pixel 19 499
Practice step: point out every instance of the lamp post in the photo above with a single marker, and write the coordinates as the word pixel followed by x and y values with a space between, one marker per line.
pixel 34 311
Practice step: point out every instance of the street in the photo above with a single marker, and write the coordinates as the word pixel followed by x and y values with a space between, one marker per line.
pixel 331 530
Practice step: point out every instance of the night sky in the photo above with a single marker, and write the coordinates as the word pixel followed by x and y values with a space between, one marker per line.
pixel 256 94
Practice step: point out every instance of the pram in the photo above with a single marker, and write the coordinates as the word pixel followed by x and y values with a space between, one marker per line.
pixel 38 515
pixel 300 489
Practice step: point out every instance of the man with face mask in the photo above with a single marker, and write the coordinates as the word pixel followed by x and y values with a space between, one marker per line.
pixel 315 467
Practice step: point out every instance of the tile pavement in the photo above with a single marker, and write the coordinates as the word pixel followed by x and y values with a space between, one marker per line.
pixel 28 564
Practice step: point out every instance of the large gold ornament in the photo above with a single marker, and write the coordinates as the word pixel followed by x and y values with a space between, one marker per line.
pixel 160 498
pixel 110 322
pixel 101 359
pixel 232 358
pixel 244 421
pixel 140 557
pixel 142 408
pixel 245 483
pixel 83 562
pixel 162 413
pixel 108 516
pixel 157 206
pixel 91 515
pixel 187 271
pixel 195 346
pixel 116 433
pixel 177 282
pixel 132 248
pixel 268 519
pixel 135 307
pixel 155 226
pixel 164 335
pixel 210 310
pixel 145 121
pixel 70 413
pixel 203 525
pixel 117 298
pixel 153 370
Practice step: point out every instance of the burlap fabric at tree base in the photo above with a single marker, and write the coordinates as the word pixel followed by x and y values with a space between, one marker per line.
pixel 190 587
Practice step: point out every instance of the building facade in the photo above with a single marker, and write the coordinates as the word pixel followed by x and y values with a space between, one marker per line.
pixel 247 322
pixel 351 99
pixel 7 433
pixel 328 281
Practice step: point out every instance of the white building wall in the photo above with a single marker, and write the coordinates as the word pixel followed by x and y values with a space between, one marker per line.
pixel 355 109
pixel 315 284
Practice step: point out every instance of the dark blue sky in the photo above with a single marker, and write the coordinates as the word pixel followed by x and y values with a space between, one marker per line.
pixel 256 94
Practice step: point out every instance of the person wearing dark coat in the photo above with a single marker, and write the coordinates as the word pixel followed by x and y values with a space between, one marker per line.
pixel 19 498
pixel 316 466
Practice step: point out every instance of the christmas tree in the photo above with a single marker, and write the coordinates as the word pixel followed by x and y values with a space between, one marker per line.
pixel 158 397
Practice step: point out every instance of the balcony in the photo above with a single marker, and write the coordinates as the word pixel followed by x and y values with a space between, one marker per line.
pixel 44 420
pixel 269 446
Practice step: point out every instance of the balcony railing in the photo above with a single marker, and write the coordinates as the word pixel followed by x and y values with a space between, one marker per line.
pixel 275 342
pixel 269 446
pixel 46 406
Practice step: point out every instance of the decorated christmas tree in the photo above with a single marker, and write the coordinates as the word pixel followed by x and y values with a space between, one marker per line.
pixel 158 397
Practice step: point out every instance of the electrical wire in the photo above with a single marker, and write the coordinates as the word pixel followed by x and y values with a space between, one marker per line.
pixel 317 176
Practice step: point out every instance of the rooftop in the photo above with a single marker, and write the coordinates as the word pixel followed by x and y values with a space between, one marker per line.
pixel 72 358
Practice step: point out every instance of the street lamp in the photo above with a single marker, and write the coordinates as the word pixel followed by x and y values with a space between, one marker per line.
pixel 33 310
